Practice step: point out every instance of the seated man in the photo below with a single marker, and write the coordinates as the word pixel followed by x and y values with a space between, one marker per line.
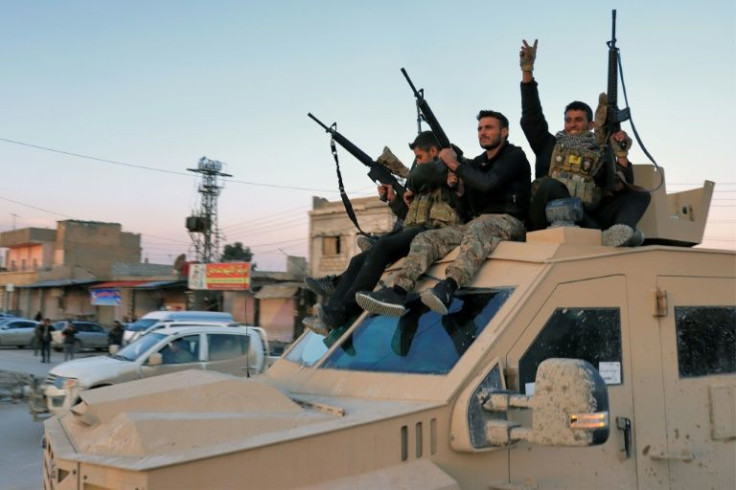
pixel 496 187
pixel 570 164
pixel 433 204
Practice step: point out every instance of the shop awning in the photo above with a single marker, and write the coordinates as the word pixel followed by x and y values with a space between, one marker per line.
pixel 117 284
pixel 274 291
pixel 56 283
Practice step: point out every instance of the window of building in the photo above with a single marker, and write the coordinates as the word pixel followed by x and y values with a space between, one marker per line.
pixel 331 245
pixel 591 334
pixel 706 340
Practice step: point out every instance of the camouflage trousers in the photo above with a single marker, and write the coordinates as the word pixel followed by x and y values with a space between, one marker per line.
pixel 477 239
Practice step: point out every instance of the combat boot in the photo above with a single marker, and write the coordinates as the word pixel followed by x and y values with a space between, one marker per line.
pixel 617 235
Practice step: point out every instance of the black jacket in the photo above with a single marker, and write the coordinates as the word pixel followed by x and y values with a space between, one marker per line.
pixel 501 185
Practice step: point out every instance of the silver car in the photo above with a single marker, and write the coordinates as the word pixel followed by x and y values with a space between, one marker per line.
pixel 89 335
pixel 18 332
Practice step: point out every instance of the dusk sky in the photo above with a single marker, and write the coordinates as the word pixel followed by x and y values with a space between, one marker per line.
pixel 106 104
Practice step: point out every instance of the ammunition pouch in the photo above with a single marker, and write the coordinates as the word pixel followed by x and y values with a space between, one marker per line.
pixel 576 168
pixel 430 211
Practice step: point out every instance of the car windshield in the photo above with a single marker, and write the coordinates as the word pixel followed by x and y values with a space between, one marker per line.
pixel 141 324
pixel 421 341
pixel 137 348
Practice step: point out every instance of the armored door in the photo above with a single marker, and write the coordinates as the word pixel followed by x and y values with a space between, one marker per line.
pixel 585 319
pixel 697 321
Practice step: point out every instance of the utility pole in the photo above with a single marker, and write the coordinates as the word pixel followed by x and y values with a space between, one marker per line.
pixel 202 224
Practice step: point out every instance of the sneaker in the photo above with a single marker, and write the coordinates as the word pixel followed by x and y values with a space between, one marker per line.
pixel 637 239
pixel 322 286
pixel 365 242
pixel 386 301
pixel 617 235
pixel 316 325
pixel 439 298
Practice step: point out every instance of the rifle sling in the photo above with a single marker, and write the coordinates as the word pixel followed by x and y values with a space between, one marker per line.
pixel 343 195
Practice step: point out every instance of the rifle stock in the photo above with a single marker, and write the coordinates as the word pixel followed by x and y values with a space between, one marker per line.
pixel 377 172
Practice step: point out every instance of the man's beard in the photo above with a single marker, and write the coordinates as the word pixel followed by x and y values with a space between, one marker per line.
pixel 493 144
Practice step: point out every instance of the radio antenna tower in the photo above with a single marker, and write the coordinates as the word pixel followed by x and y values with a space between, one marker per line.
pixel 202 225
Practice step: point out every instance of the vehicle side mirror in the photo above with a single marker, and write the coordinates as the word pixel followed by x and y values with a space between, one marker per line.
pixel 155 360
pixel 569 407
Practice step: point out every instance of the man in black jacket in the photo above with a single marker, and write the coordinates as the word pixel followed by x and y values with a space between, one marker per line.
pixel 567 166
pixel 496 187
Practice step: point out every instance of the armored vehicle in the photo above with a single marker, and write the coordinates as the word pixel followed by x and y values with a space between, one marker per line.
pixel 566 364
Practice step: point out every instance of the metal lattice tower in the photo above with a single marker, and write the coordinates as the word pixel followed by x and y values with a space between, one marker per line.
pixel 202 225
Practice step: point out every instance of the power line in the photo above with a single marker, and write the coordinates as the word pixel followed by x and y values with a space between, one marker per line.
pixel 154 169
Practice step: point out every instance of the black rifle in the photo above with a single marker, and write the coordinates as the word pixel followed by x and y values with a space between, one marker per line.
pixel 429 116
pixel 377 171
pixel 615 116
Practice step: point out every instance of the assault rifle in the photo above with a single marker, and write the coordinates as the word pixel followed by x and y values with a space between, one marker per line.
pixel 428 115
pixel 614 116
pixel 377 171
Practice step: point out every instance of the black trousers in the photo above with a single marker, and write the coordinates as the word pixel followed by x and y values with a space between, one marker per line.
pixel 625 207
pixel 365 269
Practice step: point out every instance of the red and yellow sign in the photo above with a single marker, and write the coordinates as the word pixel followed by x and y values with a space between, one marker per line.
pixel 232 276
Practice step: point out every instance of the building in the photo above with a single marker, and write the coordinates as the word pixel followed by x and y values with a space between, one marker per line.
pixel 332 234
pixel 51 271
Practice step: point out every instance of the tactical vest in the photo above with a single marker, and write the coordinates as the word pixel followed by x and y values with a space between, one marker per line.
pixel 430 210
pixel 575 167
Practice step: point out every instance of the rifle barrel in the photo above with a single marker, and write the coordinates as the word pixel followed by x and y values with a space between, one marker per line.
pixel 411 84
pixel 318 122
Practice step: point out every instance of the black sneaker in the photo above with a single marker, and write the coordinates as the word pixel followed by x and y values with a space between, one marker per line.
pixel 386 301
pixel 332 317
pixel 439 298
pixel 322 286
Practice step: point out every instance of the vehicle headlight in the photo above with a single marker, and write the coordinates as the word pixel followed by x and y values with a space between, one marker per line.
pixel 65 383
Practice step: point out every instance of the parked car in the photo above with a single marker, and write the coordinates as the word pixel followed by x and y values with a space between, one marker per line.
pixel 90 335
pixel 6 316
pixel 234 350
pixel 136 329
pixel 17 331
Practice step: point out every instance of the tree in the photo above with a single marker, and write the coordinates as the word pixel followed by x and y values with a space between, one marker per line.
pixel 236 253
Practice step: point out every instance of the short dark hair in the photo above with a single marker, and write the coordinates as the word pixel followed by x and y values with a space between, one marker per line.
pixel 576 105
pixel 503 120
pixel 424 141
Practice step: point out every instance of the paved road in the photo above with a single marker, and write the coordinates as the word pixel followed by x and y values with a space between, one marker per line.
pixel 21 459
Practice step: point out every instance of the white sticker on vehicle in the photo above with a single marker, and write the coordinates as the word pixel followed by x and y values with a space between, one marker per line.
pixel 610 372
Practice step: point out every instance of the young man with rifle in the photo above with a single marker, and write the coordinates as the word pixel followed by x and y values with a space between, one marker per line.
pixel 576 162
pixel 495 186
pixel 431 204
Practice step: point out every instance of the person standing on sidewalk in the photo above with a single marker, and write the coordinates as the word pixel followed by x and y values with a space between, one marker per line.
pixel 70 334
pixel 44 337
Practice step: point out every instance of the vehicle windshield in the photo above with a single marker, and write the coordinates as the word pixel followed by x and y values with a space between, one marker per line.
pixel 421 342
pixel 137 348
pixel 141 324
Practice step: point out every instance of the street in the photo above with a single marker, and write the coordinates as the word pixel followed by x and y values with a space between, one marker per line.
pixel 20 444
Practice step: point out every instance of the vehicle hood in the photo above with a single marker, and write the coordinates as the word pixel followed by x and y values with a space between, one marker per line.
pixel 191 415
pixel 93 369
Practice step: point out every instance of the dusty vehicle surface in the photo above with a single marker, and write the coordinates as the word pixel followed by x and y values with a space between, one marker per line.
pixel 498 394
pixel 178 347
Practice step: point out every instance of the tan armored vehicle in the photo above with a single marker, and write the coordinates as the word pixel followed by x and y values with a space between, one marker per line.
pixel 566 364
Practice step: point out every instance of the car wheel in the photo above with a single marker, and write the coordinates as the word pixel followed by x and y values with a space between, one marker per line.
pixel 57 349
pixel 20 346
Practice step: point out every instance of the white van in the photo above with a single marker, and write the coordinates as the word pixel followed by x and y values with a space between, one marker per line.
pixel 136 329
